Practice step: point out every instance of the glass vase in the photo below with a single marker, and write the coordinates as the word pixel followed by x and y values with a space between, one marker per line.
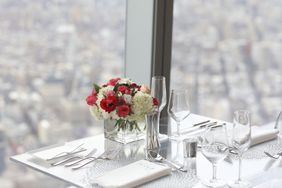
pixel 125 135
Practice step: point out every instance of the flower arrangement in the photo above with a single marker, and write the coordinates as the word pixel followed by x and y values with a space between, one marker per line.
pixel 122 100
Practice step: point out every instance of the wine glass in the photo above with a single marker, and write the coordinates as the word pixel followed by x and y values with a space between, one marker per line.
pixel 215 148
pixel 178 109
pixel 158 90
pixel 241 141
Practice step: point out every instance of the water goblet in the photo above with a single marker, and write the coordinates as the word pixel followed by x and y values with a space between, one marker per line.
pixel 178 109
pixel 215 148
pixel 241 141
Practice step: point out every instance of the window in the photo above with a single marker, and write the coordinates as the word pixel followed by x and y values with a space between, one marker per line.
pixel 228 54
pixel 51 52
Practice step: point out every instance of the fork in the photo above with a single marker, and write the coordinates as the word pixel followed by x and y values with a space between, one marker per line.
pixel 77 149
pixel 79 158
pixel 107 155
pixel 276 156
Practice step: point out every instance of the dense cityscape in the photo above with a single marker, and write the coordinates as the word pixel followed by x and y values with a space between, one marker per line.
pixel 51 53
pixel 228 54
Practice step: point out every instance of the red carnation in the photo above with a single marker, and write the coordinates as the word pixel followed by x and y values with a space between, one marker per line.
pixel 121 100
pixel 123 110
pixel 155 101
pixel 124 89
pixel 112 82
pixel 110 93
pixel 108 104
pixel 91 99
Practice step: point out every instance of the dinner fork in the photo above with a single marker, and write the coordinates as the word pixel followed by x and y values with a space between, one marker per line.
pixel 276 156
pixel 107 155
pixel 77 149
pixel 79 158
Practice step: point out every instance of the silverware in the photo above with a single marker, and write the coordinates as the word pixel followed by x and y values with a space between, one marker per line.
pixel 81 158
pixel 107 155
pixel 192 129
pixel 92 152
pixel 76 150
pixel 277 120
pixel 155 157
pixel 201 123
pixel 276 156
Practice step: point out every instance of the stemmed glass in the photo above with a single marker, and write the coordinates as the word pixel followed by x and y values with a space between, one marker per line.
pixel 178 109
pixel 215 148
pixel 241 140
pixel 158 90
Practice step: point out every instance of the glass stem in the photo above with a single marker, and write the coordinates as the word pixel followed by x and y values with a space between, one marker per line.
pixel 178 128
pixel 213 171
pixel 239 171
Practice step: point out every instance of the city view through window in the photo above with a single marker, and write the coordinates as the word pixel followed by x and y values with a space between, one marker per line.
pixel 228 54
pixel 51 53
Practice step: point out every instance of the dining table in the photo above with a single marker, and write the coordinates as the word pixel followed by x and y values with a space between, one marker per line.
pixel 257 168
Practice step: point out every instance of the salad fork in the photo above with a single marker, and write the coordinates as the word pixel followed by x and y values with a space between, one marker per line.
pixel 107 155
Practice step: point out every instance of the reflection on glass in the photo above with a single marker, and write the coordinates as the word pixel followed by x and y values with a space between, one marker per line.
pixel 226 50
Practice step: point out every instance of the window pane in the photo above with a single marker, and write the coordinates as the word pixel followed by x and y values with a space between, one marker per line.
pixel 228 53
pixel 51 52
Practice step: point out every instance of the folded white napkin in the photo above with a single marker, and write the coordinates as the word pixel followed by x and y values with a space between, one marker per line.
pixel 260 135
pixel 132 175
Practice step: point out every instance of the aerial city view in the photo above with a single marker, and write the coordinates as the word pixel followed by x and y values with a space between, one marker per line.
pixel 227 53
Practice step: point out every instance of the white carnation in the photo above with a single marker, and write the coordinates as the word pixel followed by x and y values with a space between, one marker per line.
pixel 125 81
pixel 127 98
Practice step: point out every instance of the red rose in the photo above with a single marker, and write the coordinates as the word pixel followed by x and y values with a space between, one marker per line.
pixel 123 110
pixel 108 104
pixel 124 89
pixel 112 82
pixel 135 86
pixel 91 99
pixel 155 101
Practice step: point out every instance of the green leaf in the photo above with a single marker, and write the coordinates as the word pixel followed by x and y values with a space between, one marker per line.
pixel 96 87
